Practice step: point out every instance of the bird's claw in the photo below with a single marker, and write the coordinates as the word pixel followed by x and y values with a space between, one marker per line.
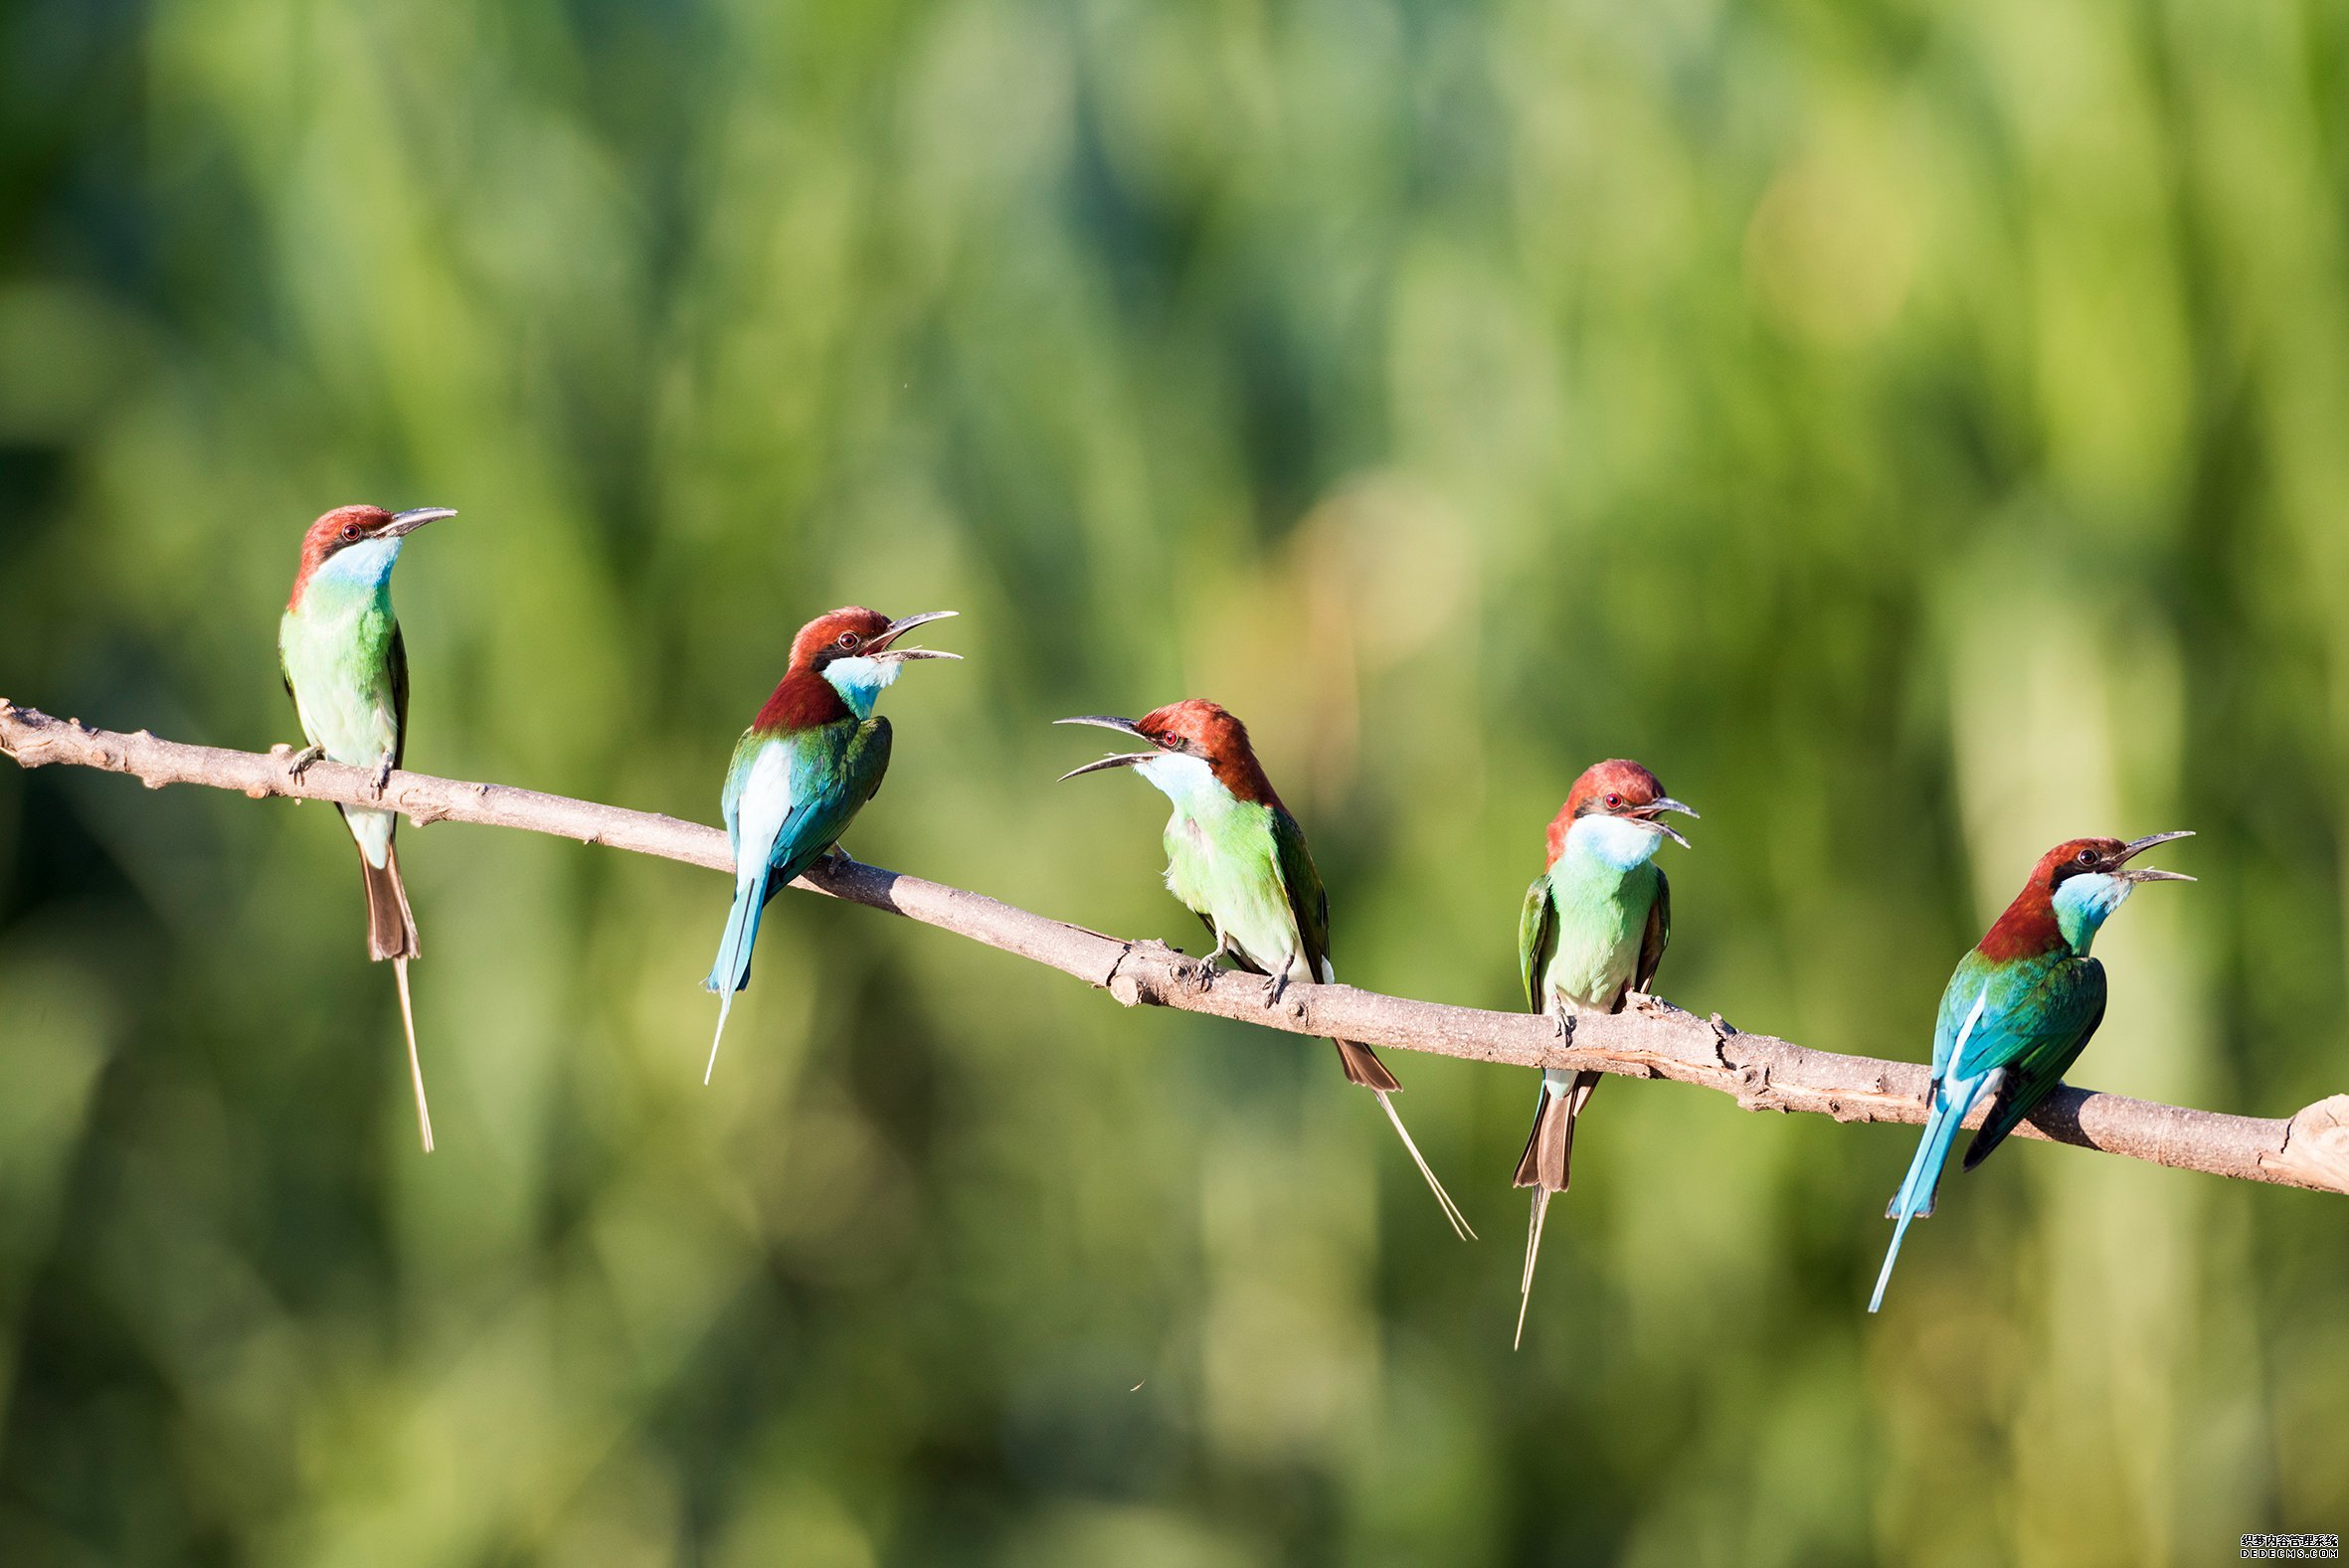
pixel 298 763
pixel 1274 986
pixel 383 776
pixel 1564 1022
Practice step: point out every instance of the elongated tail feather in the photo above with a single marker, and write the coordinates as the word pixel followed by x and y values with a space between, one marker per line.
pixel 1547 1165
pixel 1459 1221
pixel 424 1113
pixel 1524 1284
pixel 1914 1200
pixel 731 970
pixel 1934 1144
pixel 725 1006
pixel 1363 1067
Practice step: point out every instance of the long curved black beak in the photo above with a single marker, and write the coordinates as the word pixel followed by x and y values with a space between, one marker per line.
pixel 1122 727
pixel 1650 815
pixel 879 646
pixel 2137 846
pixel 410 521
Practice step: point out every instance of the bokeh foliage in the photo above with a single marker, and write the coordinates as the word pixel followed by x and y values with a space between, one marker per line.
pixel 1916 431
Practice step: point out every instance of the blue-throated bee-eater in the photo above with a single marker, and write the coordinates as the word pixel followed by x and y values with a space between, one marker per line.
pixel 2018 1012
pixel 1594 927
pixel 808 762
pixel 1237 859
pixel 339 649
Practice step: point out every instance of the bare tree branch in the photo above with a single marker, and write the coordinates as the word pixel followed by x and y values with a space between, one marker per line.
pixel 1650 1039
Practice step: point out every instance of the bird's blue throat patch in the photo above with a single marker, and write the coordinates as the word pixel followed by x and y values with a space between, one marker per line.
pixel 2085 902
pixel 860 681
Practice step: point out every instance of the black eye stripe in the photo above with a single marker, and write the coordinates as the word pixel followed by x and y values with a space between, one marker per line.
pixel 2074 865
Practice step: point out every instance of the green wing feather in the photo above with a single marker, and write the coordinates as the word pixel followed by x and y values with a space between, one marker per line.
pixel 1309 901
pixel 1536 938
pixel 399 659
pixel 1309 909
pixel 2072 1005
pixel 1658 935
pixel 867 761
pixel 862 763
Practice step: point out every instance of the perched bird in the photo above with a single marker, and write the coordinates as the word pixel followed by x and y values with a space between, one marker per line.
pixel 339 649
pixel 2019 1011
pixel 808 762
pixel 1593 929
pixel 1237 859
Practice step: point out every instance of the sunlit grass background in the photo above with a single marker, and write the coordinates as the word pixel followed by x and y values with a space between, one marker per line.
pixel 1919 434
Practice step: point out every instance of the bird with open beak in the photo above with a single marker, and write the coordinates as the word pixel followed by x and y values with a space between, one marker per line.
pixel 2018 1012
pixel 812 758
pixel 1592 932
pixel 346 668
pixel 1237 859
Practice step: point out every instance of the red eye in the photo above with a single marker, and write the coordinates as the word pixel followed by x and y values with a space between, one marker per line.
pixel 1614 802
pixel 847 639
pixel 350 533
pixel 2087 857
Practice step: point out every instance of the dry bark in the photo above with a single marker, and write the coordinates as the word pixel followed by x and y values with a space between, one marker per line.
pixel 1652 1039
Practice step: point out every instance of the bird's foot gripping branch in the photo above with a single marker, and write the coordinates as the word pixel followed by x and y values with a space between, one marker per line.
pixel 1652 1039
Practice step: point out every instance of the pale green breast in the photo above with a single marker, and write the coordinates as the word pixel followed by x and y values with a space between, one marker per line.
pixel 337 652
pixel 1222 862
pixel 1602 918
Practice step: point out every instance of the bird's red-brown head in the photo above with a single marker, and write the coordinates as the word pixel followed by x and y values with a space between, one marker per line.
pixel 2030 926
pixel 854 631
pixel 1616 787
pixel 839 663
pixel 844 631
pixel 1196 728
pixel 345 526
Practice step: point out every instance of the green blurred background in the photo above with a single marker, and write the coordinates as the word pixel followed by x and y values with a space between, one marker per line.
pixel 1919 434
